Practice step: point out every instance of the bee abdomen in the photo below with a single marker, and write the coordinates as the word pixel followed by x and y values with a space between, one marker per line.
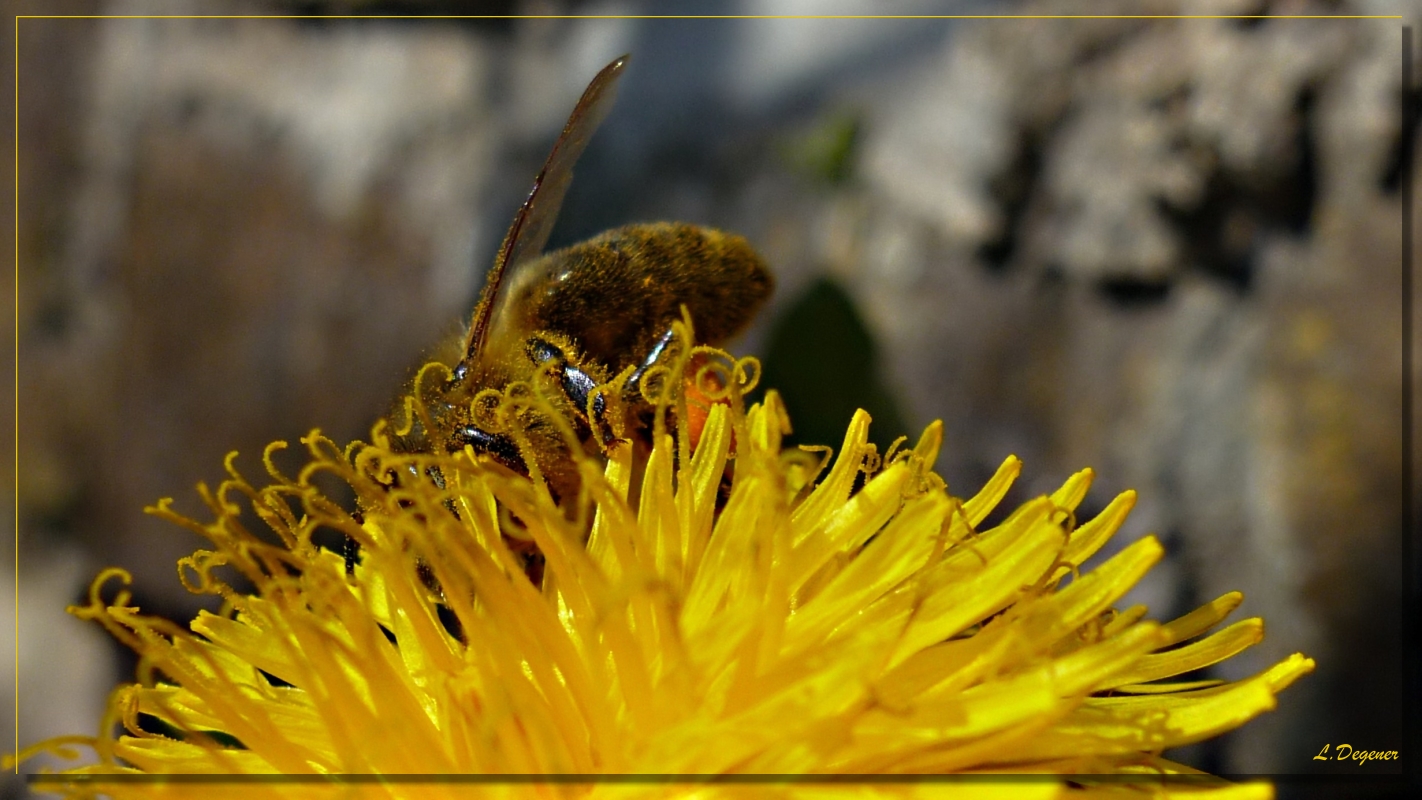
pixel 616 293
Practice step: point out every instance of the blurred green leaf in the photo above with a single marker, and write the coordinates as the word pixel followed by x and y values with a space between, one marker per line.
pixel 824 362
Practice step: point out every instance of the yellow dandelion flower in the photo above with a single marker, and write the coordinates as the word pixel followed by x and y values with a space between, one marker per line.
pixel 789 625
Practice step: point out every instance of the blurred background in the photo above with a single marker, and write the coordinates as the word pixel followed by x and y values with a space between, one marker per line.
pixel 1169 250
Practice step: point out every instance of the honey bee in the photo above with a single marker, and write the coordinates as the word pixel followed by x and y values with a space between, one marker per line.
pixel 586 318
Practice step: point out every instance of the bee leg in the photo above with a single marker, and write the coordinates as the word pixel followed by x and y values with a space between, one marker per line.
pixel 502 448
pixel 576 384
pixel 634 381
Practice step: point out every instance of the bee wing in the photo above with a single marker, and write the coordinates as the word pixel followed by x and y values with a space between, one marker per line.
pixel 534 220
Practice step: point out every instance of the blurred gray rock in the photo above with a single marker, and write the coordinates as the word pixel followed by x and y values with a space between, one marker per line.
pixel 1187 277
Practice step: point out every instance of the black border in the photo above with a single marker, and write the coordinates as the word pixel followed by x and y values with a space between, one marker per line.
pixel 858 779
pixel 1411 662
